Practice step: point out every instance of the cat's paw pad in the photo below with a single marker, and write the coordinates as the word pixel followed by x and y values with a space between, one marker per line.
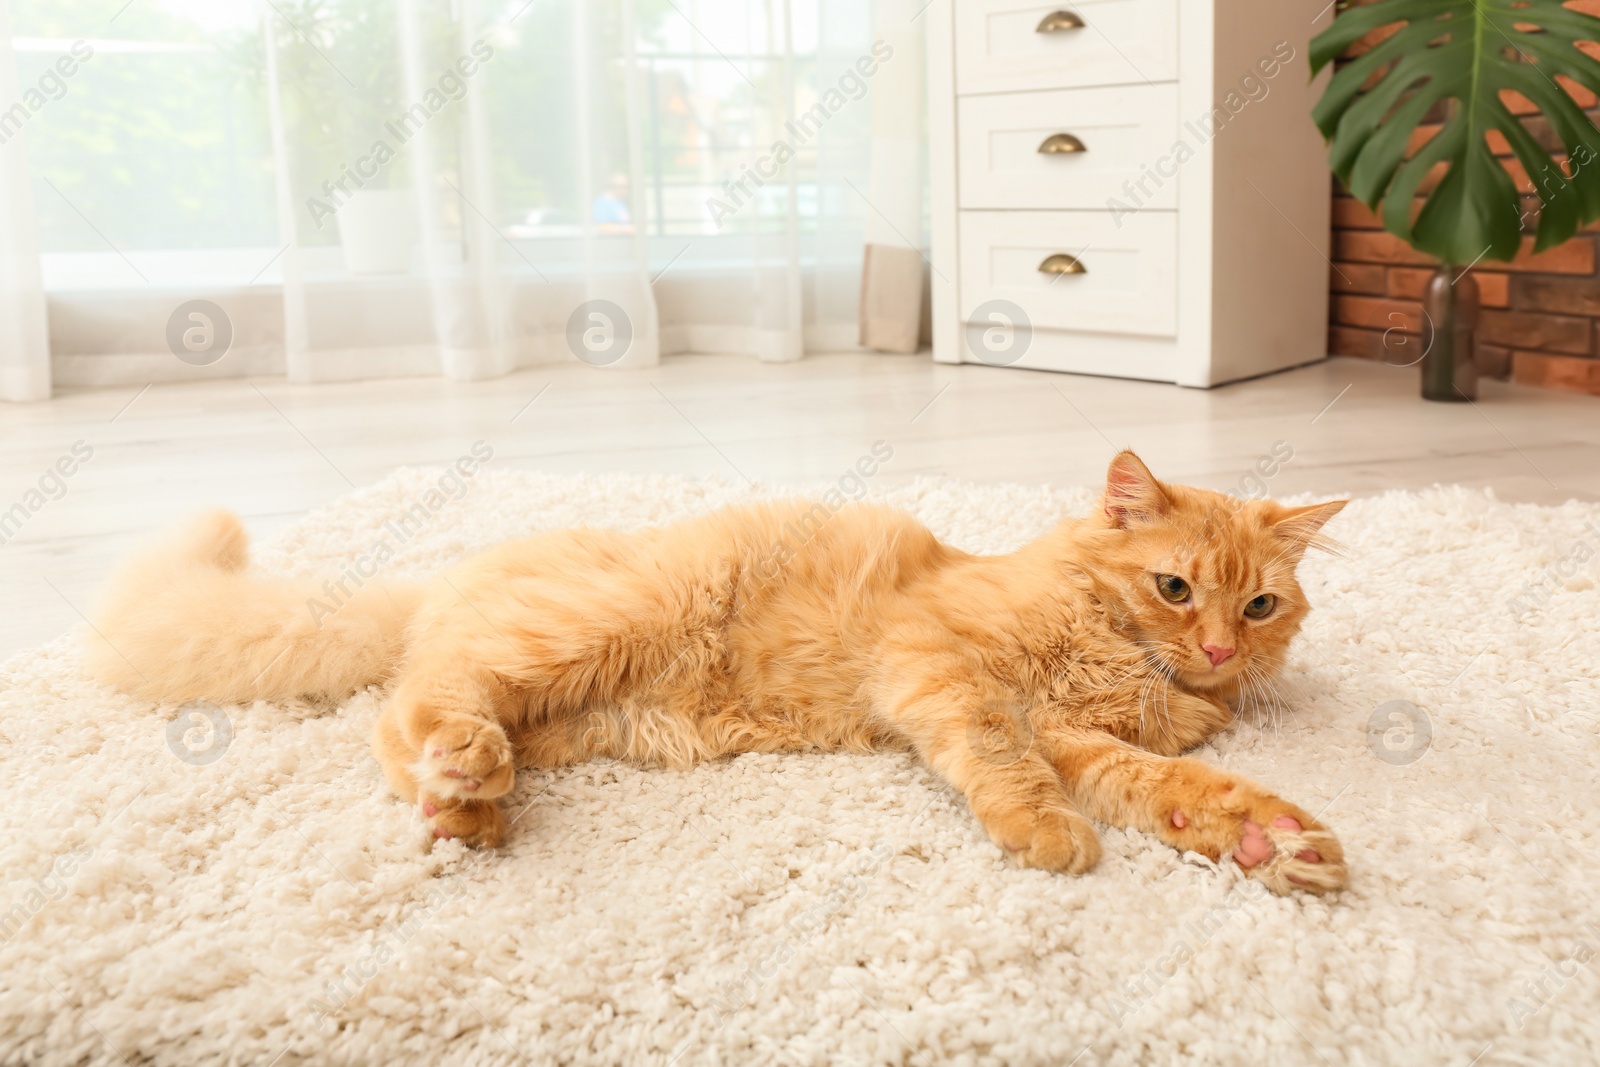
pixel 1291 852
pixel 468 759
pixel 478 823
pixel 1271 839
pixel 1048 839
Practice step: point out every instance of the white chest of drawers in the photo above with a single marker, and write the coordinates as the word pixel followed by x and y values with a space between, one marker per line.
pixel 1122 188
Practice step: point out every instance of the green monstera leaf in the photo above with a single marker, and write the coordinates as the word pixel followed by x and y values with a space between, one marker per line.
pixel 1466 52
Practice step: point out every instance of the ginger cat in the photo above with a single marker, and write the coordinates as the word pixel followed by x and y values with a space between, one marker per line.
pixel 1053 686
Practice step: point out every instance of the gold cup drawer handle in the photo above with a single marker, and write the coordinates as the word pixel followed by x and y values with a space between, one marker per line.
pixel 1057 21
pixel 1061 263
pixel 1060 144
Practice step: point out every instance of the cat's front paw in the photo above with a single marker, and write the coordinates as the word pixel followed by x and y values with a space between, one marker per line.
pixel 1292 852
pixel 1217 814
pixel 467 759
pixel 478 823
pixel 1051 839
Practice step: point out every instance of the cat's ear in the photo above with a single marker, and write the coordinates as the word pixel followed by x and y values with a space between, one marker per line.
pixel 1132 492
pixel 1302 527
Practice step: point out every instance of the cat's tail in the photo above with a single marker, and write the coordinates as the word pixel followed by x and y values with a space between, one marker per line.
pixel 185 620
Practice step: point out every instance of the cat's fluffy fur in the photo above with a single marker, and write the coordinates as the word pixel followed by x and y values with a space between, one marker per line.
pixel 1053 686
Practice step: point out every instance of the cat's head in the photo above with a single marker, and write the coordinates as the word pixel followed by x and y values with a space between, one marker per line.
pixel 1206 581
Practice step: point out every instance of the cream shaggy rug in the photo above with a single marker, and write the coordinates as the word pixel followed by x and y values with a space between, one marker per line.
pixel 249 892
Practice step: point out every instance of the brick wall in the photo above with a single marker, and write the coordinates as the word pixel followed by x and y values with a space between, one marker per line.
pixel 1540 322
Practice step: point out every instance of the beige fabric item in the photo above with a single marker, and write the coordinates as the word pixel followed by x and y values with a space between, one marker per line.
pixel 894 299
pixel 893 286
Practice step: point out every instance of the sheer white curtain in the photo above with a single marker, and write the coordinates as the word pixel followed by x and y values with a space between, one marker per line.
pixel 370 188
pixel 24 337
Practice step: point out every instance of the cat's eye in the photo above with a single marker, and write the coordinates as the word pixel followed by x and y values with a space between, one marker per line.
pixel 1261 606
pixel 1172 588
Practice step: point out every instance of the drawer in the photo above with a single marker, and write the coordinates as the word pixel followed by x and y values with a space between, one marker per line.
pixel 1002 139
pixel 1001 46
pixel 1129 284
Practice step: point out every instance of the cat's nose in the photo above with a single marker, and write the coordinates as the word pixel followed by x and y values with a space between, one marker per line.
pixel 1217 653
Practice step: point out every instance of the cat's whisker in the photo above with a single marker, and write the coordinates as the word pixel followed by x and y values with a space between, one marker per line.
pixel 1258 701
pixel 1143 733
pixel 1251 700
pixel 1163 662
pixel 1277 686
pixel 1253 690
pixel 1272 563
pixel 1260 693
pixel 1156 684
pixel 1111 688
pixel 1144 696
pixel 1268 706
pixel 1166 693
pixel 1122 676
pixel 1245 700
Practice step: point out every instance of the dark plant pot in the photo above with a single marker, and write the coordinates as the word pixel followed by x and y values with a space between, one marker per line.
pixel 1450 307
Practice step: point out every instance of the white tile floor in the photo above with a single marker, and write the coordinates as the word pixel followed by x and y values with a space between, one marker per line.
pixel 272 451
